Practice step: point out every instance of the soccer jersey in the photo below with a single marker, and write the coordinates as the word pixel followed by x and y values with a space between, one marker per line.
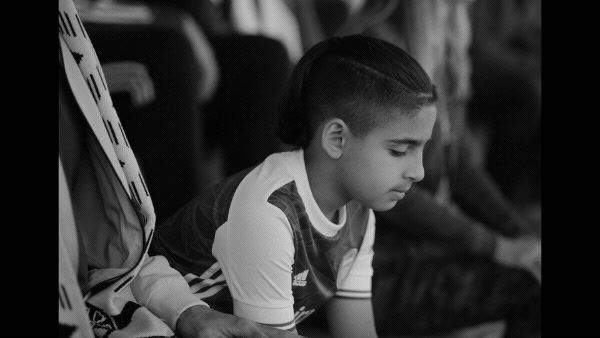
pixel 257 245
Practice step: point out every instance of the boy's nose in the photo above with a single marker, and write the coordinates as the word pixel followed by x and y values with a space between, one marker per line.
pixel 416 171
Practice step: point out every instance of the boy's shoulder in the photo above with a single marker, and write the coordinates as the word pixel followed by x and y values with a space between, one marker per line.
pixel 242 196
pixel 248 189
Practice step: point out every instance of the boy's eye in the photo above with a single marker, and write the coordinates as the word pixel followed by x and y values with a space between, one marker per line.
pixel 397 153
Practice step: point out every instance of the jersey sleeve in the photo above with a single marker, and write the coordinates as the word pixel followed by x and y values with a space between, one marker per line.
pixel 255 249
pixel 354 276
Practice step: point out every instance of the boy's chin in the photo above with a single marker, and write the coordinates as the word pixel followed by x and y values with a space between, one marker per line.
pixel 384 205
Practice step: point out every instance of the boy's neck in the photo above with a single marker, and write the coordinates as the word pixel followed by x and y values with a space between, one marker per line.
pixel 323 184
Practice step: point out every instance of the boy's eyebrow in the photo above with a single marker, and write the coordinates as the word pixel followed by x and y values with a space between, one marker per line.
pixel 409 141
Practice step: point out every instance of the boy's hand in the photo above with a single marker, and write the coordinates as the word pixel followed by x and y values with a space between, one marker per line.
pixel 524 253
pixel 202 321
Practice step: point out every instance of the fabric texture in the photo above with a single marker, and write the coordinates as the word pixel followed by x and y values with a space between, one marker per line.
pixel 72 317
pixel 87 61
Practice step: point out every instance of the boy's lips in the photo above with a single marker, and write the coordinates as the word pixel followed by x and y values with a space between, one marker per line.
pixel 399 195
pixel 400 192
pixel 401 189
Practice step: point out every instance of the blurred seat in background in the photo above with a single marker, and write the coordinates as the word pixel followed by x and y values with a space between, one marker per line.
pixel 271 18
pixel 506 105
pixel 131 78
pixel 239 119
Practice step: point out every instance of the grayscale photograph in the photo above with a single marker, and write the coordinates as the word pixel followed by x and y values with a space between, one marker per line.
pixel 299 168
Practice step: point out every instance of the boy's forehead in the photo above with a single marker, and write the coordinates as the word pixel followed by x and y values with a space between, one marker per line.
pixel 405 126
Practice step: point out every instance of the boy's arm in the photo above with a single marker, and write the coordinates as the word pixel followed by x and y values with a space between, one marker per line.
pixel 165 292
pixel 349 317
pixel 350 313
pixel 201 321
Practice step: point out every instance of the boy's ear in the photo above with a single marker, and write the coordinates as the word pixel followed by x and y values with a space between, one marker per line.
pixel 334 137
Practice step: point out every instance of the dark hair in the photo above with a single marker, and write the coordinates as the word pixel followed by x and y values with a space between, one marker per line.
pixel 355 78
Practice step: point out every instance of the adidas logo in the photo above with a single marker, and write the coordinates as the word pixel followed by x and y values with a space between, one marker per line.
pixel 300 279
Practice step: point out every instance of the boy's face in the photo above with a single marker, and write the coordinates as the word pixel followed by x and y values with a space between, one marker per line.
pixel 378 168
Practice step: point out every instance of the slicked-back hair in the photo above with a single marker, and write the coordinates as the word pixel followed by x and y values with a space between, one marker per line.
pixel 356 78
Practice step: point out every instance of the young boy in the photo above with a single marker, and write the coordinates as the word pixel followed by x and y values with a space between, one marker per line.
pixel 275 242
